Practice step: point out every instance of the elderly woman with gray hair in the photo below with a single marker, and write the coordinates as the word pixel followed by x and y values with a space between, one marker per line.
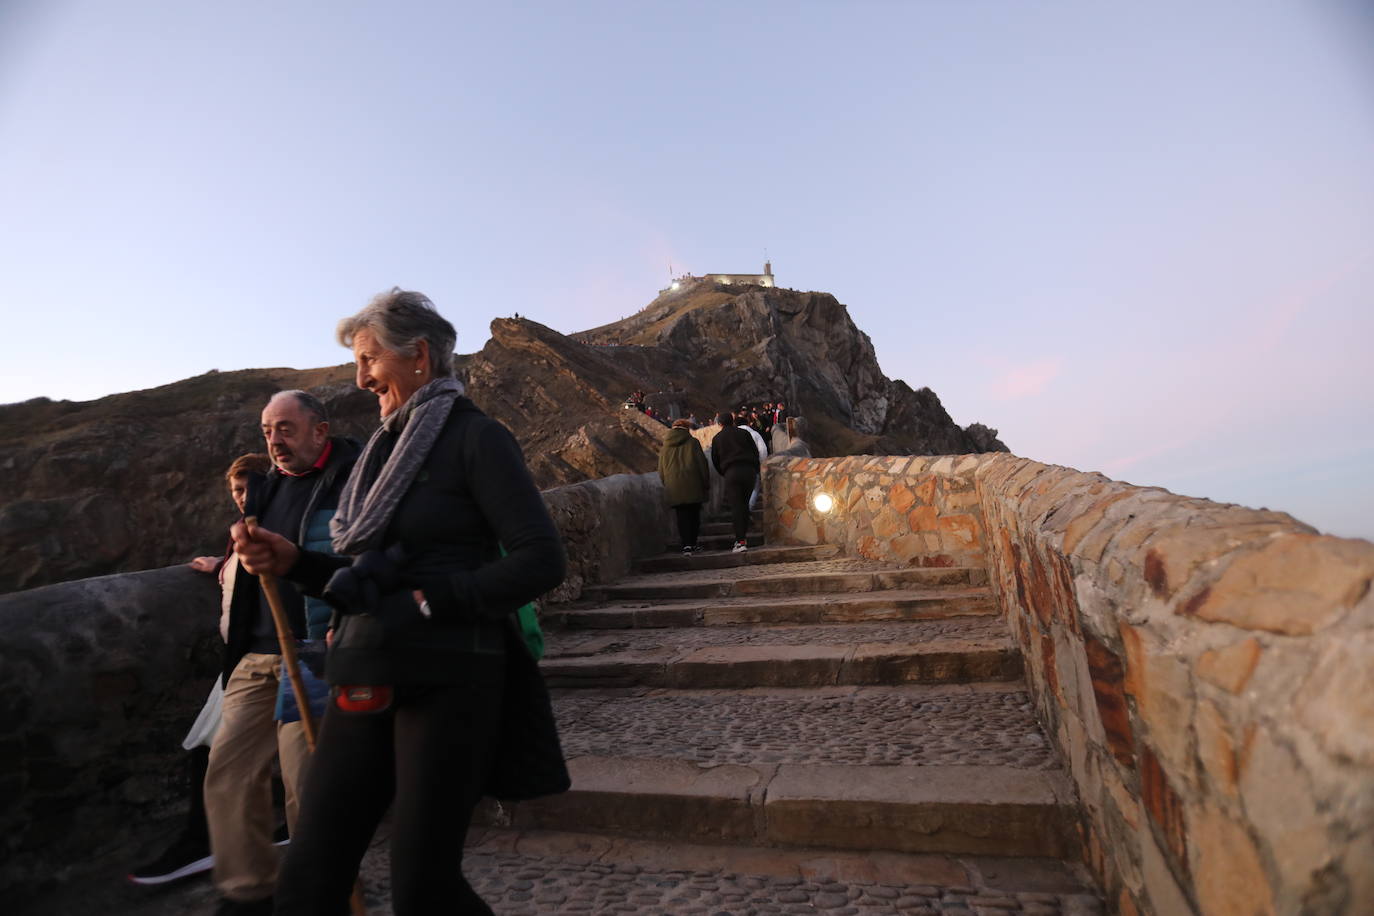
pixel 436 699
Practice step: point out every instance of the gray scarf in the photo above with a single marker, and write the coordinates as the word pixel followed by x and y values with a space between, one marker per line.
pixel 378 481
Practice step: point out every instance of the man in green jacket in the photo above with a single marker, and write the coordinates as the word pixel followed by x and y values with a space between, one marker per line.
pixel 686 481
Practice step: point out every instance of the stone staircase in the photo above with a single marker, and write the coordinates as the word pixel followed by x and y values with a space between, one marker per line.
pixel 787 730
pixel 782 731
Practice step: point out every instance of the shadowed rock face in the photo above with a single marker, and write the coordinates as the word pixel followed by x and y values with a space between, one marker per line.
pixel 134 481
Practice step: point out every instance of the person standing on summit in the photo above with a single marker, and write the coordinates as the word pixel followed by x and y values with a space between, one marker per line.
pixel 736 458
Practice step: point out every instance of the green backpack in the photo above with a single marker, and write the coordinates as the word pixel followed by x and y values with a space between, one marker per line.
pixel 528 617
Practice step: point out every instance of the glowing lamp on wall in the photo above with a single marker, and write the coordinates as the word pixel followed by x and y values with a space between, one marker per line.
pixel 823 502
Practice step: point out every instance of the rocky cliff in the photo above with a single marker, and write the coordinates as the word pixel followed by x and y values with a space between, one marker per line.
pixel 134 481
pixel 746 344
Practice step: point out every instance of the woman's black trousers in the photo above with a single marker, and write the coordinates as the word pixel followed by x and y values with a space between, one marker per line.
pixel 429 754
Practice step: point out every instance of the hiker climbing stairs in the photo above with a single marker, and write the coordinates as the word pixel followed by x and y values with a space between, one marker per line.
pixel 789 730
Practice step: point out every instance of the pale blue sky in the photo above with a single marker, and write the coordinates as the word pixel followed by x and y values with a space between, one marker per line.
pixel 1136 238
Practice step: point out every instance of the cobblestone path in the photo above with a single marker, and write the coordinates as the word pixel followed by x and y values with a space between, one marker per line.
pixel 512 883
pixel 582 642
pixel 808 568
pixel 861 727
pixel 533 874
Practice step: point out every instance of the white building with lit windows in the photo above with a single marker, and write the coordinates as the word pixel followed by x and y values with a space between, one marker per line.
pixel 763 279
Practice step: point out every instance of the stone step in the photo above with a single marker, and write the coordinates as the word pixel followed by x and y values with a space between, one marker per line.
pixel 541 871
pixel 797 580
pixel 726 527
pixel 981 724
pixel 674 561
pixel 726 541
pixel 965 809
pixel 957 649
pixel 891 604
pixel 522 872
pixel 755 519
pixel 949 769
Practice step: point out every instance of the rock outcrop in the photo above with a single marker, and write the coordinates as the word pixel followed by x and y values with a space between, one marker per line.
pixel 133 481
pixel 746 344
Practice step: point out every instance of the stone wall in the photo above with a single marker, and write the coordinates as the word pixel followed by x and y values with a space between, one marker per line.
pixel 606 524
pixel 101 678
pixel 1207 671
pixel 99 681
pixel 921 511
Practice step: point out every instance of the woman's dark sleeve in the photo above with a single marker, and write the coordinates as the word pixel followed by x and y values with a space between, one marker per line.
pixel 504 490
pixel 313 569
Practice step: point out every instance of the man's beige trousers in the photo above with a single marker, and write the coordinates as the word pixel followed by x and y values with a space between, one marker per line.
pixel 238 783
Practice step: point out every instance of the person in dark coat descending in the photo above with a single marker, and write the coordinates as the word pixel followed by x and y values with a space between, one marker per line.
pixel 737 460
pixel 443 536
pixel 686 481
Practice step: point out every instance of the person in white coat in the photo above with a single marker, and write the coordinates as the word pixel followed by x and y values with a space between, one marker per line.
pixel 763 456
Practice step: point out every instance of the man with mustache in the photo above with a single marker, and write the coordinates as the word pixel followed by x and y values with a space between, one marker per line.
pixel 297 498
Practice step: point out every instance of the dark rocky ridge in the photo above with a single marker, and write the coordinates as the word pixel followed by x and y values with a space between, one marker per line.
pixel 747 344
pixel 134 481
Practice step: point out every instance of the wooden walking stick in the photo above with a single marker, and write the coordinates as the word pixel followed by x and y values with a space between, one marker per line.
pixel 287 641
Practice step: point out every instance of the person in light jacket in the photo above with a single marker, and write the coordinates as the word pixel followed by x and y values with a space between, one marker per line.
pixel 686 481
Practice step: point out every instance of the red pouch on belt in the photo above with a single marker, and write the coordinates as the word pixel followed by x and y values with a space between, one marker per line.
pixel 363 699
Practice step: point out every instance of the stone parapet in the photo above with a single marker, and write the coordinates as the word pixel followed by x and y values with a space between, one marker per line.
pixel 101 678
pixel 99 682
pixel 1205 670
pixel 607 524
pixel 919 511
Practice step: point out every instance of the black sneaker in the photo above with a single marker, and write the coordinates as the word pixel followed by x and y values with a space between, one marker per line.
pixel 183 858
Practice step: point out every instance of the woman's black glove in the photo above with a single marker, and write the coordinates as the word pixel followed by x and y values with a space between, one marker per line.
pixel 439 595
pixel 358 589
pixel 434 579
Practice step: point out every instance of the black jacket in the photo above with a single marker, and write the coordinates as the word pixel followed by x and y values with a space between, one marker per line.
pixel 733 446
pixel 471 497
pixel 324 498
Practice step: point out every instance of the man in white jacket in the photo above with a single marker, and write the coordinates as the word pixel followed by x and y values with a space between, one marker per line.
pixel 763 456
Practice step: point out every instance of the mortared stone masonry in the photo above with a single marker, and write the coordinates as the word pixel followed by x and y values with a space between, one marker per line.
pixel 1206 670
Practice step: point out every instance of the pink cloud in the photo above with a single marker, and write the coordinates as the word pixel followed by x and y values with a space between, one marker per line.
pixel 1271 329
pixel 1114 466
pixel 1025 380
